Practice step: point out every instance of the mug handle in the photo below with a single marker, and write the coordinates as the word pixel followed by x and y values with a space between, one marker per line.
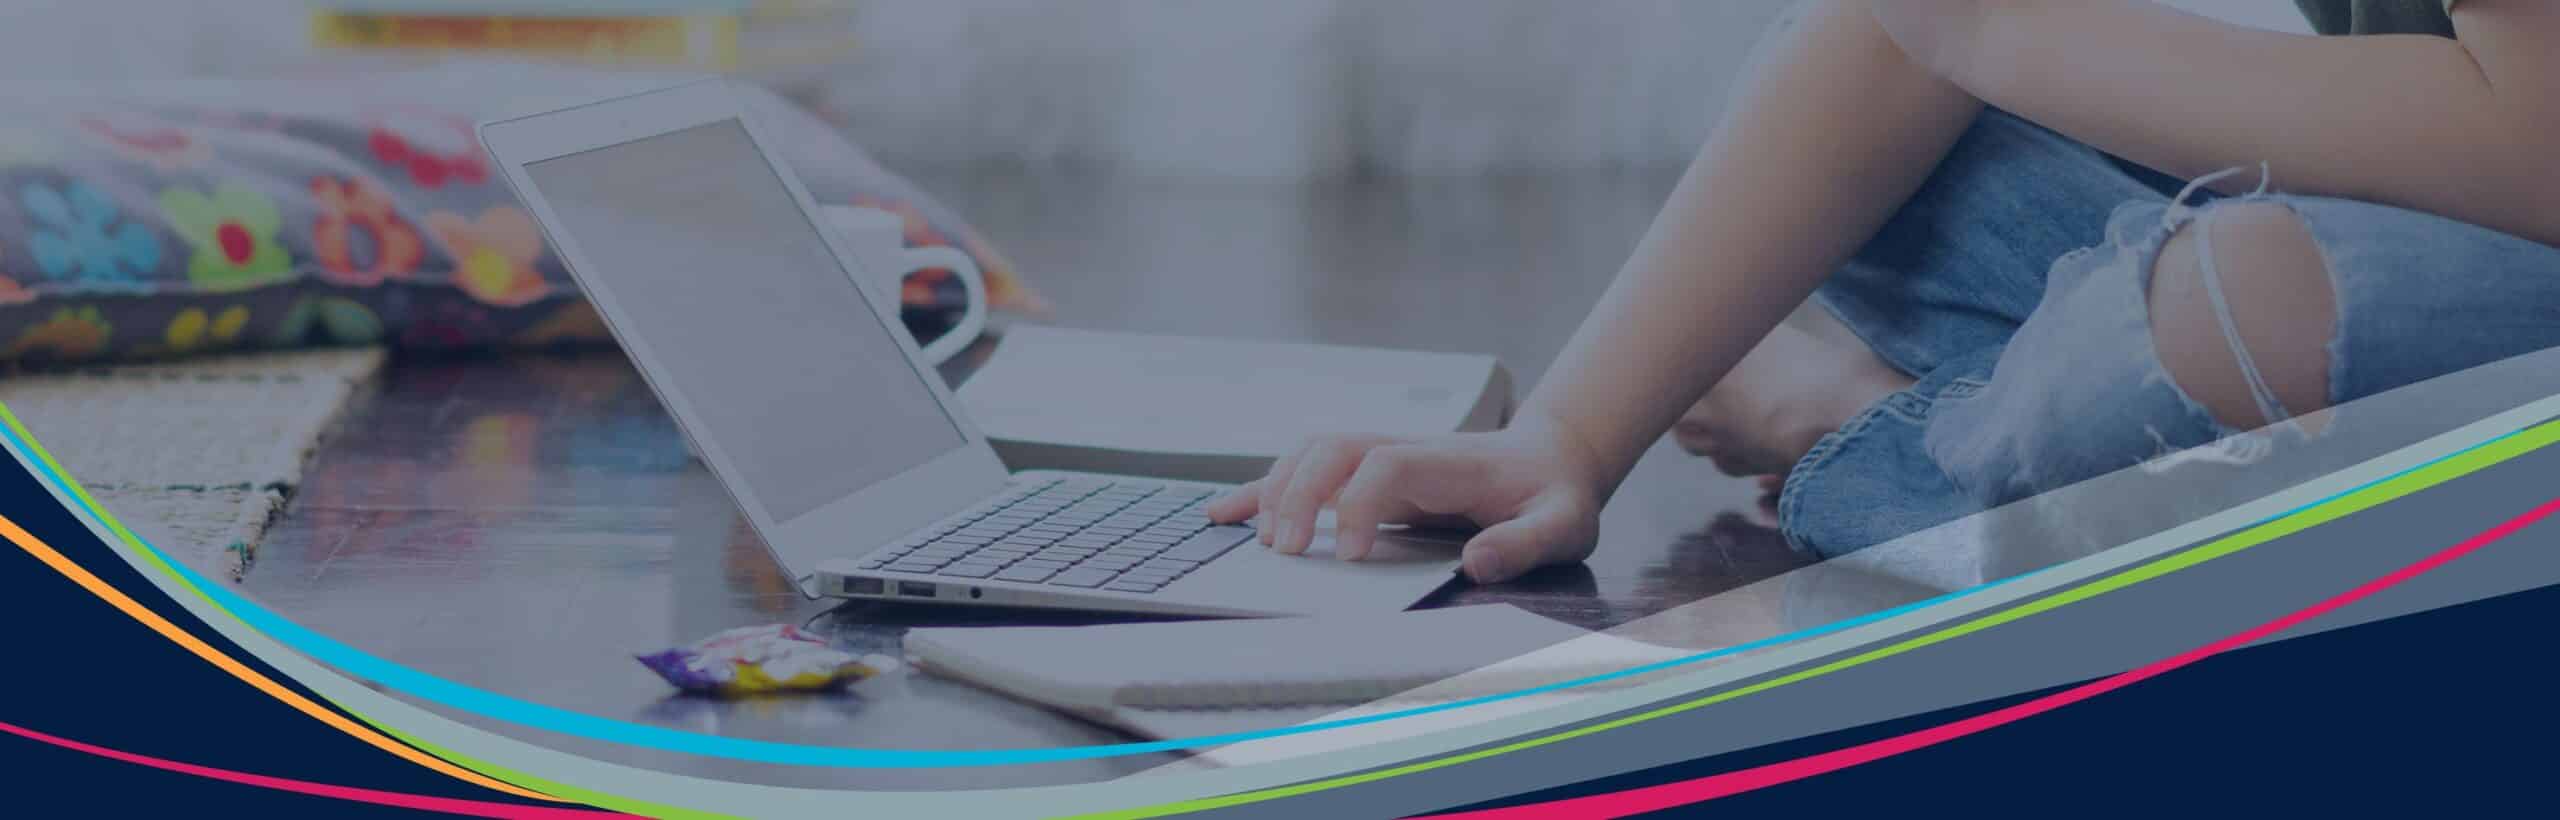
pixel 973 316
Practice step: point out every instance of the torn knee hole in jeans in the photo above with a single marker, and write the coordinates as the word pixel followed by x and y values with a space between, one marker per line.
pixel 2243 312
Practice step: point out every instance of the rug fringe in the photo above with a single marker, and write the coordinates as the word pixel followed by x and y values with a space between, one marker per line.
pixel 257 512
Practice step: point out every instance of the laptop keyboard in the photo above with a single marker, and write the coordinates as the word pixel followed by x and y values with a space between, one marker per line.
pixel 1090 533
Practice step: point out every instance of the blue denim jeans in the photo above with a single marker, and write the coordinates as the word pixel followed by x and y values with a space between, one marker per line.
pixel 2014 287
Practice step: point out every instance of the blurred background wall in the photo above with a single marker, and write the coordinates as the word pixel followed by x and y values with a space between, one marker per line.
pixel 1256 89
pixel 1301 87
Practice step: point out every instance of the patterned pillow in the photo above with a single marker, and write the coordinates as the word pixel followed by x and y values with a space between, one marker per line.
pixel 136 225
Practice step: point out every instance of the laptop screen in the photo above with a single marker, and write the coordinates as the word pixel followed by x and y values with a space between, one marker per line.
pixel 709 258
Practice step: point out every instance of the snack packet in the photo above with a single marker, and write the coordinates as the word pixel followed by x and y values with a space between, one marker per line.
pixel 752 660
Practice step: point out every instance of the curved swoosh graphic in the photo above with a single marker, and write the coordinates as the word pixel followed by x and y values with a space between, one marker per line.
pixel 1687 792
pixel 2364 497
pixel 448 805
pixel 135 610
pixel 320 647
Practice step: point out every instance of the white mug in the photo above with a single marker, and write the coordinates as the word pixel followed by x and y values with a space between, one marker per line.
pixel 878 241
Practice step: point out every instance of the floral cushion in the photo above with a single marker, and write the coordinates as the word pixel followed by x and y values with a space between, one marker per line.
pixel 168 223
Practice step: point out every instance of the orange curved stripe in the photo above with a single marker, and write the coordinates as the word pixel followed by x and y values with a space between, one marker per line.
pixel 181 637
pixel 420 802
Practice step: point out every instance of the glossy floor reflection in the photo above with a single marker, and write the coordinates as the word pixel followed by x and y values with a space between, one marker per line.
pixel 526 524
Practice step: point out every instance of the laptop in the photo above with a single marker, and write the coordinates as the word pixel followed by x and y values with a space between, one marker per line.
pixel 839 445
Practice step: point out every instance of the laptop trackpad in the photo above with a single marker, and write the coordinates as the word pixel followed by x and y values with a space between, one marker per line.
pixel 1395 544
pixel 1398 571
pixel 1388 549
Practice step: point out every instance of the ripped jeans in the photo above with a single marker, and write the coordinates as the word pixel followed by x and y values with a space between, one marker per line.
pixel 2033 349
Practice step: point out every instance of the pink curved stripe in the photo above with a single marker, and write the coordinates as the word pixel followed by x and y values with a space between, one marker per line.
pixel 1670 795
pixel 420 802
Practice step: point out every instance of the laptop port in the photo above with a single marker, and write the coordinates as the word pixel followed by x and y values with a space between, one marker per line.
pixel 915 589
pixel 865 586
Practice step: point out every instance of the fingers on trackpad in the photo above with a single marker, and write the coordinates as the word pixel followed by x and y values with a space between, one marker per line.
pixel 1388 549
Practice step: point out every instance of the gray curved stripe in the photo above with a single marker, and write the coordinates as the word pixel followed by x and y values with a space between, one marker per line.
pixel 1800 709
pixel 2084 640
pixel 2173 501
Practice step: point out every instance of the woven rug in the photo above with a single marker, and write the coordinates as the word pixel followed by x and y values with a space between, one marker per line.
pixel 198 454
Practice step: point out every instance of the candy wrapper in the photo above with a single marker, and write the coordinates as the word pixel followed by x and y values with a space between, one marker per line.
pixel 754 660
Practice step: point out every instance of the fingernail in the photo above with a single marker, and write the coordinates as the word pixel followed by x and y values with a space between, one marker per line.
pixel 1280 536
pixel 1485 567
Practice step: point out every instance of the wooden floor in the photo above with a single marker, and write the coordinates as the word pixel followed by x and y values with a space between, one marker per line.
pixel 525 525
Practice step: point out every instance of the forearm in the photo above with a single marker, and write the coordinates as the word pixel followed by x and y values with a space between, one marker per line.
pixel 1824 140
pixel 2463 129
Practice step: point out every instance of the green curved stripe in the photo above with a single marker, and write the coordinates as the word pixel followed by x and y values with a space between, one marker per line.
pixel 550 787
pixel 2502 449
pixel 2492 453
pixel 133 547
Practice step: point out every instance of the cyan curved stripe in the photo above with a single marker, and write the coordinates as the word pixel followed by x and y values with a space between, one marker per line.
pixel 551 718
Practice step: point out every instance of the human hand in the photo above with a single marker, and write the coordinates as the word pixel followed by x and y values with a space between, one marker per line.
pixel 1526 489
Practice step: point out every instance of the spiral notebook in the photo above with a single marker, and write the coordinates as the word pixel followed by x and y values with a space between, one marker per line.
pixel 1250 674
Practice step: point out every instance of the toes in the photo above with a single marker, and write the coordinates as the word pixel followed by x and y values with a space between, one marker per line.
pixel 1696 432
pixel 1703 438
pixel 1694 437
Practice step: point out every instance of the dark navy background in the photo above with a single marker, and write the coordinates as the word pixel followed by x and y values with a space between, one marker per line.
pixel 2447 711
pixel 2442 713
pixel 79 669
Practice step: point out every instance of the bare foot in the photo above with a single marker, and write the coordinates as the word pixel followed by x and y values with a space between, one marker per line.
pixel 1792 389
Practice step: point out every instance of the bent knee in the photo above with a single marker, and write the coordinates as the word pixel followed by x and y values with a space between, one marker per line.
pixel 2283 312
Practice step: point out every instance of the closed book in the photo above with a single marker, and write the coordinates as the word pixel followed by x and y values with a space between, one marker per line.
pixel 1208 409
